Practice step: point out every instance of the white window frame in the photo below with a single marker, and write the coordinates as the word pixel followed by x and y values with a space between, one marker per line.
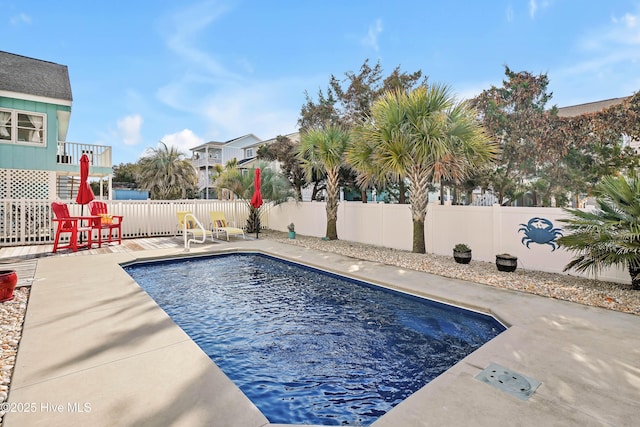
pixel 249 153
pixel 14 128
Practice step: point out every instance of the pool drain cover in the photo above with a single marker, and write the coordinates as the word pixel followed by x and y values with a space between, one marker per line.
pixel 508 381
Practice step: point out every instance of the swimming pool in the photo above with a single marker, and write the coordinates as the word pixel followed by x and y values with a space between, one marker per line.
pixel 310 347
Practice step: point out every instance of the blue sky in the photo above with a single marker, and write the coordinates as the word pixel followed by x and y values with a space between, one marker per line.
pixel 187 72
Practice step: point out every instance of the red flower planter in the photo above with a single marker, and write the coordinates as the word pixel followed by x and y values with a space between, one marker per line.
pixel 8 281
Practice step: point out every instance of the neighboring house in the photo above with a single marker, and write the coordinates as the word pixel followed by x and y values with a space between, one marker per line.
pixel 251 151
pixel 596 107
pixel 206 158
pixel 589 107
pixel 36 161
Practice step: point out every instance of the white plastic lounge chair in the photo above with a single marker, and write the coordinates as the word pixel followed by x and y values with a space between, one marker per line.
pixel 220 224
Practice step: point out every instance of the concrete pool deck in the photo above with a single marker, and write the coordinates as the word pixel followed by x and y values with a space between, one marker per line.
pixel 96 350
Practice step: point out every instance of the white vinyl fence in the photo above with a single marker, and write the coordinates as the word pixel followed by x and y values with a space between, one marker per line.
pixel 528 233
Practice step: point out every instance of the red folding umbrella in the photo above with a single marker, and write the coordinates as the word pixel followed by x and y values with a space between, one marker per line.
pixel 256 200
pixel 85 193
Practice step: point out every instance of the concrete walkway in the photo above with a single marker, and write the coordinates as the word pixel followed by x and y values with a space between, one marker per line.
pixel 97 351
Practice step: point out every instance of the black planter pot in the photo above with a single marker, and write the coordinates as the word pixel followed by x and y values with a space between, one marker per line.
pixel 462 257
pixel 506 262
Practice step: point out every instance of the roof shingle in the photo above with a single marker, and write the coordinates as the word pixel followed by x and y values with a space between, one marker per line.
pixel 34 77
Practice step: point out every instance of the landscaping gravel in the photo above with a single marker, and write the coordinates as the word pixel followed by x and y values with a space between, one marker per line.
pixel 11 319
pixel 613 296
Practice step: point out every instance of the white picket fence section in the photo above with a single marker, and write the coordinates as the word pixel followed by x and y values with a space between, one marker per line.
pixel 27 222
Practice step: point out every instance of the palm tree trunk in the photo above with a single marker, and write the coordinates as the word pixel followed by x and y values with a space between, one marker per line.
pixel 419 246
pixel 253 220
pixel 635 277
pixel 402 200
pixel 332 204
pixel 419 198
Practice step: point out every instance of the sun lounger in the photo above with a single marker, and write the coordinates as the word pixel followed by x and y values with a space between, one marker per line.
pixel 220 225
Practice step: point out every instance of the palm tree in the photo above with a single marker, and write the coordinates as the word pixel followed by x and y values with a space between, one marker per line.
pixel 423 136
pixel 359 156
pixel 322 150
pixel 166 173
pixel 273 187
pixel 610 235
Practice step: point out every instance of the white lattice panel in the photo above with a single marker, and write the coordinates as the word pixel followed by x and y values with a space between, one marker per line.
pixel 25 184
pixel 4 181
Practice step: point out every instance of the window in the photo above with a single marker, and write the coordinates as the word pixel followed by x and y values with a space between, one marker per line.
pixel 22 127
pixel 5 125
pixel 249 152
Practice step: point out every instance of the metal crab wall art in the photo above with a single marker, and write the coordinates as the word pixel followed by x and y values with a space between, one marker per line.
pixel 541 231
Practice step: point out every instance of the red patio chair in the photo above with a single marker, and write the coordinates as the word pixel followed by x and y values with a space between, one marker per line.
pixel 72 225
pixel 107 222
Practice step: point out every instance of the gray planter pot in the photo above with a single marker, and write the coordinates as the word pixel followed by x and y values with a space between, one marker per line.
pixel 506 262
pixel 463 257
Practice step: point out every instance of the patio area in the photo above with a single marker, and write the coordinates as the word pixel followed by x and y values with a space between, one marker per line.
pixel 96 350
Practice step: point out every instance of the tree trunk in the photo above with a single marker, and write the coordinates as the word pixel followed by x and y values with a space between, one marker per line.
pixel 332 204
pixel 419 194
pixel 419 246
pixel 253 221
pixel 635 277
pixel 314 192
pixel 402 200
pixel 469 197
pixel 363 194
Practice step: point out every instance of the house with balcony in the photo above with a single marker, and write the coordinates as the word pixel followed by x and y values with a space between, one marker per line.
pixel 210 156
pixel 36 161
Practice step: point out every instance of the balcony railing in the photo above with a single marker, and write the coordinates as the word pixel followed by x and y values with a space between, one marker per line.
pixel 69 153
pixel 203 161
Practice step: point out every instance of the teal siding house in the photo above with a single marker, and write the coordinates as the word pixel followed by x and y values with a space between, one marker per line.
pixel 36 161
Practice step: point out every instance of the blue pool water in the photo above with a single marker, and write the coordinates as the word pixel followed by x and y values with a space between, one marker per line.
pixel 309 347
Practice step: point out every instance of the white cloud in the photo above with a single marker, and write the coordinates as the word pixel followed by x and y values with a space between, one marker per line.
pixel 615 42
pixel 533 8
pixel 605 63
pixel 253 108
pixel 229 103
pixel 509 13
pixel 183 141
pixel 371 39
pixel 184 27
pixel 129 129
pixel 625 30
pixel 21 18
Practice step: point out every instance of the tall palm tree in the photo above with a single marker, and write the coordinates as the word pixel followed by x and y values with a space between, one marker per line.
pixel 322 150
pixel 423 136
pixel 167 173
pixel 610 235
pixel 273 187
